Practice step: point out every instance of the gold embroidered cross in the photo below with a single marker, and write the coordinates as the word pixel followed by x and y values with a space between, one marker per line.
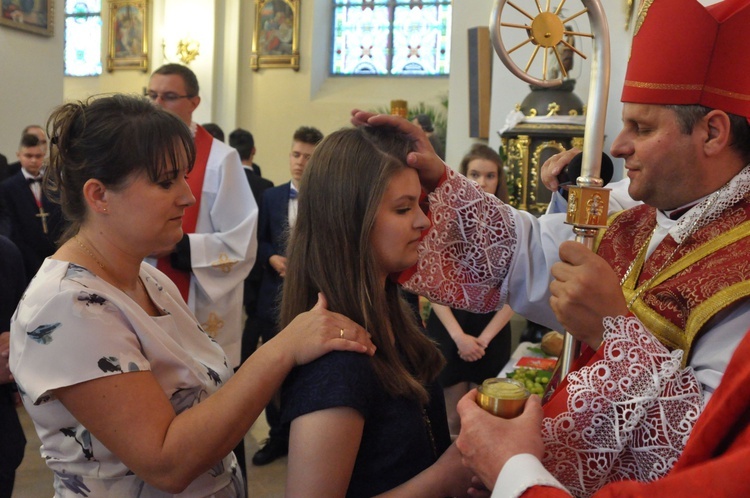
pixel 213 325
pixel 224 263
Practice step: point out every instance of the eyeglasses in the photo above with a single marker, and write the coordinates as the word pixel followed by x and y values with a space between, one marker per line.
pixel 167 97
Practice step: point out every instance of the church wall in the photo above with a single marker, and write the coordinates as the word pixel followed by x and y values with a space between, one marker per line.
pixel 466 15
pixel 128 81
pixel 272 103
pixel 31 82
pixel 275 102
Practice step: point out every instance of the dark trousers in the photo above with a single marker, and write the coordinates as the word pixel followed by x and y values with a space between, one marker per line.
pixel 239 454
pixel 12 442
pixel 256 328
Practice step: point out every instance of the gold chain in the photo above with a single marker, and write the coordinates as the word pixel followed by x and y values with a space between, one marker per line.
pixel 87 251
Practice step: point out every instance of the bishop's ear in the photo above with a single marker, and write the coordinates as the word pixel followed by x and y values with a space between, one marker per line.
pixel 718 132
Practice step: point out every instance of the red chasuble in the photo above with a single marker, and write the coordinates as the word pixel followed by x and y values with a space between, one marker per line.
pixel 681 287
pixel 203 142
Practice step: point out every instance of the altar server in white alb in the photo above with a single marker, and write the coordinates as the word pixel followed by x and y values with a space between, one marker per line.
pixel 217 250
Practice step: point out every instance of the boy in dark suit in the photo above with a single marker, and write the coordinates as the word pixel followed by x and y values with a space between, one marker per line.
pixel 242 140
pixel 12 440
pixel 277 215
pixel 35 222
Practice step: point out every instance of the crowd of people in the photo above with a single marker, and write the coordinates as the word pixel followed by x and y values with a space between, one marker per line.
pixel 143 347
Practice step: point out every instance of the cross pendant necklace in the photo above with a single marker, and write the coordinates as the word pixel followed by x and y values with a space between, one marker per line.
pixel 42 215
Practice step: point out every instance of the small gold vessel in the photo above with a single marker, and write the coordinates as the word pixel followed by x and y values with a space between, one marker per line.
pixel 399 108
pixel 502 397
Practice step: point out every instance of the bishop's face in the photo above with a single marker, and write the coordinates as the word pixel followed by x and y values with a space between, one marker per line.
pixel 661 161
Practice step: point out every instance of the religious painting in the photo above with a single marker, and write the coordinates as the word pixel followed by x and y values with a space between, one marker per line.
pixel 34 16
pixel 128 35
pixel 276 34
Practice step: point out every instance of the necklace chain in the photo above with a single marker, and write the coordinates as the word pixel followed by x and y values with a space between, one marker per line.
pixel 88 251
pixel 643 287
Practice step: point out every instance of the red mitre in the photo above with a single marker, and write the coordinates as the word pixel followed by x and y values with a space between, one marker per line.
pixel 685 53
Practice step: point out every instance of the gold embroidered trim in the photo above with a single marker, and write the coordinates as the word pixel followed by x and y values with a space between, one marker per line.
pixel 642 15
pixel 602 231
pixel 663 329
pixel 657 324
pixel 707 309
pixel 667 332
pixel 662 86
pixel 727 93
pixel 727 238
pixel 677 86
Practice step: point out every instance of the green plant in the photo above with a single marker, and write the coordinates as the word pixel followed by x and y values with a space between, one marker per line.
pixel 439 117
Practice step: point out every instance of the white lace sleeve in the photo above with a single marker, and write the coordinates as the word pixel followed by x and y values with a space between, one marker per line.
pixel 466 255
pixel 628 415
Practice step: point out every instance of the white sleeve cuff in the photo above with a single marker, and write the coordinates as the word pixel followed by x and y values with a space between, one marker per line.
pixel 520 473
pixel 557 203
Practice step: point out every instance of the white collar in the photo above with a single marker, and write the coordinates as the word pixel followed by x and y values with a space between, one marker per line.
pixel 709 208
pixel 28 175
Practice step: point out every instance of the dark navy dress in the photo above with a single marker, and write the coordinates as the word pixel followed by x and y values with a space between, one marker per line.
pixel 397 442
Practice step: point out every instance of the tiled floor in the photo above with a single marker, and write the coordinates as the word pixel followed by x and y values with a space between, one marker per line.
pixel 34 479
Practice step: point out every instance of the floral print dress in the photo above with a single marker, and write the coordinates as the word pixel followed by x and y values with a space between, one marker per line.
pixel 72 327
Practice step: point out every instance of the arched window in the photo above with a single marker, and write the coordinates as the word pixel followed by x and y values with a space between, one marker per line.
pixel 83 37
pixel 391 37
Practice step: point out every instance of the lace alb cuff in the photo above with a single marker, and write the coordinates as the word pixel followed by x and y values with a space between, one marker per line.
pixel 466 255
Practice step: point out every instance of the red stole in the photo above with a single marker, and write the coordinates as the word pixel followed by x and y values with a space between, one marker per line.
pixel 203 142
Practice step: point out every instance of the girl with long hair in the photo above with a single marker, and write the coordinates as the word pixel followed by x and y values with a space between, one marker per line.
pixel 378 426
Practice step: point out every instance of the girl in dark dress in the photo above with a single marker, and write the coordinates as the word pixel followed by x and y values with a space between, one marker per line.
pixel 475 346
pixel 378 426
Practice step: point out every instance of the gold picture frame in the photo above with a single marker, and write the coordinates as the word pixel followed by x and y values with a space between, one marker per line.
pixel 276 34
pixel 128 35
pixel 36 17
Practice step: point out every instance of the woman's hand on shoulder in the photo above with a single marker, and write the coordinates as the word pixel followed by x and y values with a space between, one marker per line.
pixel 318 331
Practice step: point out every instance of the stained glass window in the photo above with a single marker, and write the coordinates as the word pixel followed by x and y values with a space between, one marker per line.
pixel 391 37
pixel 83 37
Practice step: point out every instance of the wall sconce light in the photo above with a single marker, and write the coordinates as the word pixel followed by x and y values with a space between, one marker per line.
pixel 187 50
